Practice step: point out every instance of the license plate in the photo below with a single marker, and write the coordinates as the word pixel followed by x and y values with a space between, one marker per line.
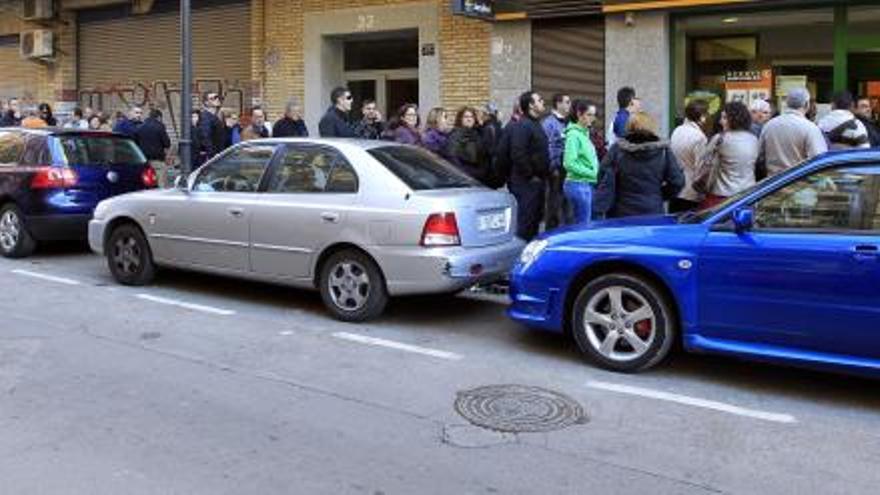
pixel 492 221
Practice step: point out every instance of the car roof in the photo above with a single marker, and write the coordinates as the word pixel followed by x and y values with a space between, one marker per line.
pixel 60 131
pixel 364 144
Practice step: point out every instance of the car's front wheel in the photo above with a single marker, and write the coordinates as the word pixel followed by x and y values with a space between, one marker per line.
pixel 623 323
pixel 129 256
pixel 352 286
pixel 15 240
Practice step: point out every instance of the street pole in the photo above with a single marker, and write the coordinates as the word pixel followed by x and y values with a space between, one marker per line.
pixel 185 144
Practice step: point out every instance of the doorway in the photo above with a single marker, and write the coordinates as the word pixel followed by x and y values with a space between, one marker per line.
pixel 383 67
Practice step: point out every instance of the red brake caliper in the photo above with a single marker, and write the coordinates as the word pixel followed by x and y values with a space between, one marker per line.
pixel 643 329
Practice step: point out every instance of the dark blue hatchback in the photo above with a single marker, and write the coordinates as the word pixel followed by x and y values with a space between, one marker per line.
pixel 51 181
pixel 788 271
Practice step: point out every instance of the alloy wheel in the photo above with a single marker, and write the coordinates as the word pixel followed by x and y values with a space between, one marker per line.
pixel 349 285
pixel 620 323
pixel 10 231
pixel 127 255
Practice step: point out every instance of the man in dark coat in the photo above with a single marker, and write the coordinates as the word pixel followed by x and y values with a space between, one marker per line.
pixel 371 125
pixel 130 124
pixel 152 138
pixel 529 164
pixel 292 124
pixel 212 131
pixel 864 113
pixel 335 122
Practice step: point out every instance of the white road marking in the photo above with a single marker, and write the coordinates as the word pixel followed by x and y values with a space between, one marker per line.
pixel 285 333
pixel 363 339
pixel 186 305
pixel 50 278
pixel 693 401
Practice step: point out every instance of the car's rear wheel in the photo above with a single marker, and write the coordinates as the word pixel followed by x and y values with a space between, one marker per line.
pixel 623 323
pixel 15 240
pixel 352 286
pixel 129 256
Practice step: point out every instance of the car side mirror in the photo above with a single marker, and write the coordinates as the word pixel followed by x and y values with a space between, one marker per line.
pixel 744 219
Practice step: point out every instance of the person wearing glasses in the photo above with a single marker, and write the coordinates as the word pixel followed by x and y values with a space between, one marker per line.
pixel 212 131
pixel 335 123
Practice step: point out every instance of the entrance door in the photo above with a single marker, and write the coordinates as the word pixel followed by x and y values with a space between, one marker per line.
pixel 390 89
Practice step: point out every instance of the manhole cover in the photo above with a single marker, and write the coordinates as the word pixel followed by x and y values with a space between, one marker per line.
pixel 518 409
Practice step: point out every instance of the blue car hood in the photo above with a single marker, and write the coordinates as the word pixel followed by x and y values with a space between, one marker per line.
pixel 641 221
pixel 656 230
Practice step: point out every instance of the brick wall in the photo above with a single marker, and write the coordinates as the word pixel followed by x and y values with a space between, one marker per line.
pixel 464 59
pixel 463 51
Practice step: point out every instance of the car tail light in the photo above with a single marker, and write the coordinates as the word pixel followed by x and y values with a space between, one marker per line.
pixel 54 178
pixel 441 229
pixel 149 177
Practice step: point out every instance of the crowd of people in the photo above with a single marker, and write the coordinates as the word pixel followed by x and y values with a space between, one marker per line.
pixel 556 162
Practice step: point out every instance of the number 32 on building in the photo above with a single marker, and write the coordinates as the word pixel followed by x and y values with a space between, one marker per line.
pixel 366 22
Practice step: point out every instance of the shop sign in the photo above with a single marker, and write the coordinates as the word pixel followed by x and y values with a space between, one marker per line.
pixel 481 9
pixel 748 86
pixel 744 76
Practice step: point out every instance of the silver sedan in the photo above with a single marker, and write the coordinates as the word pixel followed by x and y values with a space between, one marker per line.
pixel 358 220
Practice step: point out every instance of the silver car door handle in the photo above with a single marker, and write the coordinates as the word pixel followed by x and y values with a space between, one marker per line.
pixel 329 216
pixel 236 212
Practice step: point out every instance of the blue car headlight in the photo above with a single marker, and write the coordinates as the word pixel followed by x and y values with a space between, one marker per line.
pixel 532 252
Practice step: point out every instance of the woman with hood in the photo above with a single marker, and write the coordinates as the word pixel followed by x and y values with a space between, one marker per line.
pixel 643 170
pixel 466 148
pixel 580 161
pixel 436 134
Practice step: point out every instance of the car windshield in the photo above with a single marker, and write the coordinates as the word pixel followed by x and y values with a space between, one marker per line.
pixel 421 170
pixel 101 150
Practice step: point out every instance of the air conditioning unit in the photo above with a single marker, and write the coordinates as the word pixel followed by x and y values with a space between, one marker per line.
pixel 38 10
pixel 37 44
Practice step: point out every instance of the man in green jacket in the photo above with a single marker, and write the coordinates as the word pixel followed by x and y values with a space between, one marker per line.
pixel 580 161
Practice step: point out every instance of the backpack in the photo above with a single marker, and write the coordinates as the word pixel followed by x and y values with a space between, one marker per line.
pixel 605 192
pixel 499 172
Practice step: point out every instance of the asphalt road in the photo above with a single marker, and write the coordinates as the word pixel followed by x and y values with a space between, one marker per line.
pixel 206 385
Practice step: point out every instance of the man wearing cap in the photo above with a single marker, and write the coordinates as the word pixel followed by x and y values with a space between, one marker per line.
pixel 790 139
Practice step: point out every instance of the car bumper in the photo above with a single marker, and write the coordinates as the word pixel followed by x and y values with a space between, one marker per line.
pixel 435 270
pixel 71 227
pixel 536 302
pixel 96 235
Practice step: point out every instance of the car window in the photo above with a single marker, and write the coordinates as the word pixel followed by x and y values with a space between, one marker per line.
pixel 11 148
pixel 312 169
pixel 839 199
pixel 36 151
pixel 239 170
pixel 420 169
pixel 84 150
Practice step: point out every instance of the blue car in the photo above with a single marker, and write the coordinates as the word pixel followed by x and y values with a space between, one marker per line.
pixel 787 271
pixel 52 179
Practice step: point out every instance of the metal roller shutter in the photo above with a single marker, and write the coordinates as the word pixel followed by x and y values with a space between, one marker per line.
pixel 127 59
pixel 568 56
pixel 17 75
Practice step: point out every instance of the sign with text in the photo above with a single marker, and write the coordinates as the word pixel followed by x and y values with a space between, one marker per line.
pixel 747 86
pixel 481 9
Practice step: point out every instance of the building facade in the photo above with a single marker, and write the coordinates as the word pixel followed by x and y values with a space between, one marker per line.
pixel 115 54
pixel 722 50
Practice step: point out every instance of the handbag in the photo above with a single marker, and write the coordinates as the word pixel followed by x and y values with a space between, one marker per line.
pixel 707 171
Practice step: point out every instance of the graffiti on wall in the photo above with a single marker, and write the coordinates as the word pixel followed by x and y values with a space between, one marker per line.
pixel 236 96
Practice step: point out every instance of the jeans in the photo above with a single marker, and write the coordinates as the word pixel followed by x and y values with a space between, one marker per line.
pixel 580 196
pixel 530 207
